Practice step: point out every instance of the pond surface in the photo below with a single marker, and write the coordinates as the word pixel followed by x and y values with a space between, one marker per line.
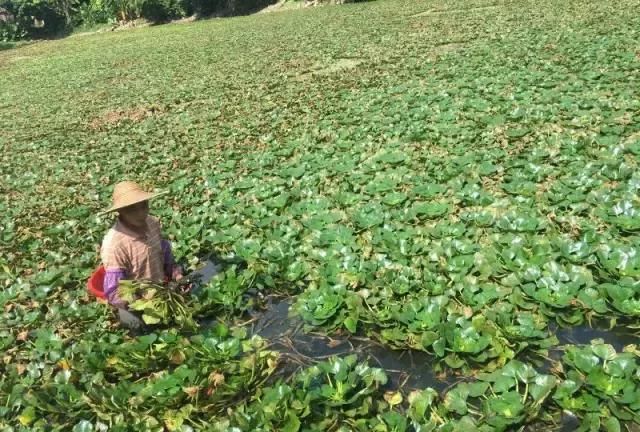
pixel 406 368
pixel 618 336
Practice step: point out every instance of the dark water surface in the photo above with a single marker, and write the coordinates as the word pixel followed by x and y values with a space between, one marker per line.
pixel 618 336
pixel 407 369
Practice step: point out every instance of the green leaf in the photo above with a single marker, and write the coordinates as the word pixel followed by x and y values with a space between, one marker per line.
pixel 150 319
pixel 604 351
pixel 394 198
pixel 420 401
pixel 430 210
pixel 611 424
pixel 477 389
pixel 351 324
pixel 456 399
pixel 27 416
pixel 279 201
pixel 292 424
pixel 542 386
pixel 369 216
pixel 507 406
pixel 428 190
pixel 393 158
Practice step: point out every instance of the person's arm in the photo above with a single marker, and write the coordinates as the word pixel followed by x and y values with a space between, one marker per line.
pixel 116 263
pixel 171 270
pixel 112 278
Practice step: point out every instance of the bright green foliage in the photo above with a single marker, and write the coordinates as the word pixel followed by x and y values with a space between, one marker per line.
pixel 598 384
pixel 160 379
pixel 451 177
pixel 224 294
pixel 506 398
pixel 337 393
pixel 157 304
pixel 601 384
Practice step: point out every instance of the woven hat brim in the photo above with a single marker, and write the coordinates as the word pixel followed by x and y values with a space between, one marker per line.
pixel 134 199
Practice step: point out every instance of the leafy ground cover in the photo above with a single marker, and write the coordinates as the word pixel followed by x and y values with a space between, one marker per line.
pixel 451 177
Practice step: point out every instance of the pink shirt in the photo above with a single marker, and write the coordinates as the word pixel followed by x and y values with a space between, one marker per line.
pixel 129 254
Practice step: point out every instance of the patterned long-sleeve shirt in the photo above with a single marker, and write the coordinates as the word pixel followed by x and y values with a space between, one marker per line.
pixel 129 254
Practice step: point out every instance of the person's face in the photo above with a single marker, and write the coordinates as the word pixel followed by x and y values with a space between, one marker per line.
pixel 135 215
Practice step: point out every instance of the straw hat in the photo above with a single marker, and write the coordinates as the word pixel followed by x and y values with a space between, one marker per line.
pixel 127 193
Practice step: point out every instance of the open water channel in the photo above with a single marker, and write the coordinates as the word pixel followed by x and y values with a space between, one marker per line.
pixel 406 369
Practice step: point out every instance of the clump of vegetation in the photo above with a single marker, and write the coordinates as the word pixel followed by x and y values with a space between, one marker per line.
pixel 446 177
pixel 160 381
pixel 157 304
pixel 327 396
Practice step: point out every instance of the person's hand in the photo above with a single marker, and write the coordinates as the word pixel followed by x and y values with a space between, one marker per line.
pixel 177 273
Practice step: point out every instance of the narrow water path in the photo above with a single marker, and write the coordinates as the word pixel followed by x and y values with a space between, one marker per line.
pixel 408 369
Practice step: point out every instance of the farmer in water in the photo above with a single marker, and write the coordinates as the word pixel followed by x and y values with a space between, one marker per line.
pixel 134 248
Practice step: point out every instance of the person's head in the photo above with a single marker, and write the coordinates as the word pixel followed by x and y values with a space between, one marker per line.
pixel 135 215
pixel 131 202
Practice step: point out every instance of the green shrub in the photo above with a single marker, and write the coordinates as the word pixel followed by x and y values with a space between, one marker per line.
pixel 163 10
pixel 35 18
pixel 11 32
pixel 94 12
pixel 124 10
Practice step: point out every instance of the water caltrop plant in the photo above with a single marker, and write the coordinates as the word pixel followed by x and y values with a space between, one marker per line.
pixel 458 178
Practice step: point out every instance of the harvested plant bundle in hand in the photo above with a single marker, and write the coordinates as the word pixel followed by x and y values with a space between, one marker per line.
pixel 158 304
